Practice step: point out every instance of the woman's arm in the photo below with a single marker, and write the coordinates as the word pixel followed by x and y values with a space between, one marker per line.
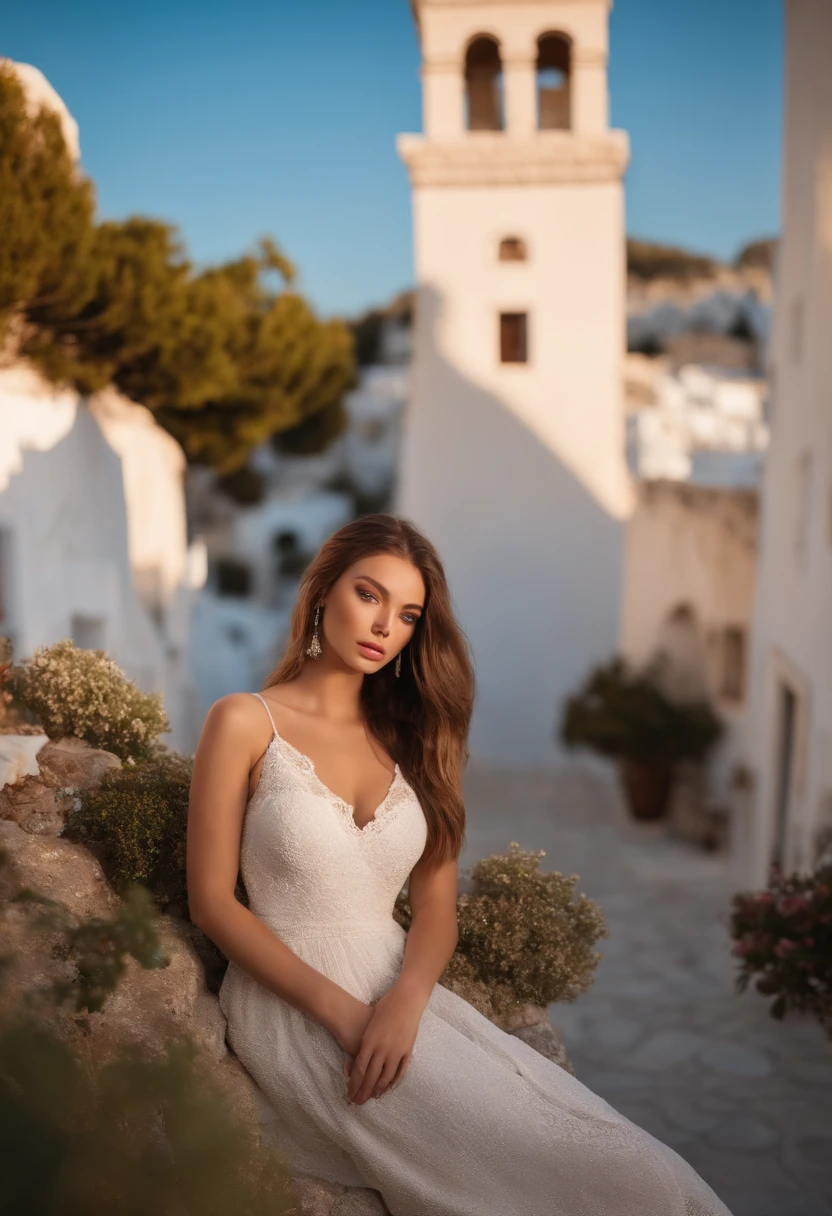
pixel 433 933
pixel 387 1043
pixel 224 757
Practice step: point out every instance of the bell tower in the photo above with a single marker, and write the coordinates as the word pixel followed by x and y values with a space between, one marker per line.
pixel 513 456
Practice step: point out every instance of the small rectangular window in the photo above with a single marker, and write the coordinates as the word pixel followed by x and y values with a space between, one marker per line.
pixel 733 667
pixel 513 337
pixel 512 249
pixel 233 577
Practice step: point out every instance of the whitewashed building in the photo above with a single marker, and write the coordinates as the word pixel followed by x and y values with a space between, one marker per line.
pixel 790 757
pixel 513 458
pixel 93 542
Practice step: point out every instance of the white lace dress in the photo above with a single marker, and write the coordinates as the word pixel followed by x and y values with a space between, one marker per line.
pixel 481 1124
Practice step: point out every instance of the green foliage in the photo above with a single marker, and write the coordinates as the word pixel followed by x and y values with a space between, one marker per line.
pixel 244 486
pixel 83 693
pixel 222 360
pixel 783 936
pixel 524 936
pixel 367 329
pixel 314 433
pixel 621 714
pixel 140 1135
pixel 46 208
pixel 649 260
pixel 150 1131
pixel 138 817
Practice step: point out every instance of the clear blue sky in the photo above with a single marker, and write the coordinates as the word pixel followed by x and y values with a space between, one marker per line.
pixel 280 116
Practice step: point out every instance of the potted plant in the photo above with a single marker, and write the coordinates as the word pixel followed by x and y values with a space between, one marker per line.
pixel 624 715
pixel 783 941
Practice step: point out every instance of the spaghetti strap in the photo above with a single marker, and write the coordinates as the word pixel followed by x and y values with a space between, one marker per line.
pixel 268 711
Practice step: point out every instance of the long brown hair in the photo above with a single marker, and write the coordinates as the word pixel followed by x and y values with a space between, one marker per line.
pixel 421 718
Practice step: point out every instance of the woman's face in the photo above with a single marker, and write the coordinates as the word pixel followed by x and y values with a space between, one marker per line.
pixel 377 600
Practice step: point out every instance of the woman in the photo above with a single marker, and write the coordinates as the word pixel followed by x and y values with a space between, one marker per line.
pixel 329 792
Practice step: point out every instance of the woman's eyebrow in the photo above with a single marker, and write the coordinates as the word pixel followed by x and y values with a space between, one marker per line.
pixel 384 590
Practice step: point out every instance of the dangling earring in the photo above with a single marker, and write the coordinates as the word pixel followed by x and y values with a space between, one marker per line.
pixel 315 650
pixel 399 663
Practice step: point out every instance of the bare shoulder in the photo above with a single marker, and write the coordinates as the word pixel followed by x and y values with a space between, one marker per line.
pixel 237 718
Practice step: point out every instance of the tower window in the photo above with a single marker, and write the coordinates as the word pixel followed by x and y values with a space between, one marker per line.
pixel 553 83
pixel 513 337
pixel 512 249
pixel 484 86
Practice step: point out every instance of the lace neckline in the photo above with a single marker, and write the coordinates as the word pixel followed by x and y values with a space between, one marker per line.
pixel 345 809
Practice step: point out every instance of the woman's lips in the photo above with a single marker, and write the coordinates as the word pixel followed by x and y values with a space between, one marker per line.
pixel 370 651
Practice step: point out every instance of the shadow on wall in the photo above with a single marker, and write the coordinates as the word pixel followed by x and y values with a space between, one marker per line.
pixel 534 561
pixel 64 511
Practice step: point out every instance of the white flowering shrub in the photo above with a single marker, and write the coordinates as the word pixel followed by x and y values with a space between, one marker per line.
pixel 85 694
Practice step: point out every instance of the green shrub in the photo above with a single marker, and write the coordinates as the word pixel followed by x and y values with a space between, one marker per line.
pixel 136 823
pixel 137 819
pixel 85 694
pixel 151 1131
pixel 624 715
pixel 524 936
pixel 139 1135
pixel 783 937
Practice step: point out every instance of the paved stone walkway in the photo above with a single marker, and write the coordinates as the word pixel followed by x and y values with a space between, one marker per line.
pixel 663 1034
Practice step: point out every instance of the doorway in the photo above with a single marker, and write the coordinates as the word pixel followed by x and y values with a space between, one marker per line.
pixel 785 745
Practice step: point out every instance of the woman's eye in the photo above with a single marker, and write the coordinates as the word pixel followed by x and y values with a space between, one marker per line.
pixel 408 617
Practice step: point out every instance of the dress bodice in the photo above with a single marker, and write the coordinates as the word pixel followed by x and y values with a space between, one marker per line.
pixel 307 866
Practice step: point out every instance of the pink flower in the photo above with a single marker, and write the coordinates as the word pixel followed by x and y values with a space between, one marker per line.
pixel 787 905
pixel 785 947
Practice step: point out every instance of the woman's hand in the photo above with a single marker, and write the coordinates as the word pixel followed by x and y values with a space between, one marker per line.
pixel 386 1045
pixel 353 1019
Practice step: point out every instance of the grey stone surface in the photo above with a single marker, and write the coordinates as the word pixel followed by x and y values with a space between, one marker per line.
pixel 662 1034
pixel 732 1057
pixel 744 1131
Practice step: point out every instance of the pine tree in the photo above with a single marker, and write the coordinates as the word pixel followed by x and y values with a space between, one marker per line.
pixel 223 362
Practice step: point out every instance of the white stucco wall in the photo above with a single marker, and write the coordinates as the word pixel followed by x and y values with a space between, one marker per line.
pixel 76 505
pixel 39 94
pixel 516 472
pixel 694 546
pixel 792 640
pixel 153 466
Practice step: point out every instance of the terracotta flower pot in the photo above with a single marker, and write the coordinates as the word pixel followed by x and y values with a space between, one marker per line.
pixel 647 786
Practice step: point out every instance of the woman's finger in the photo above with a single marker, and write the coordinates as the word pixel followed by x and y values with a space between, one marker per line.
pixel 368 1081
pixel 400 1071
pixel 391 1067
pixel 359 1065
